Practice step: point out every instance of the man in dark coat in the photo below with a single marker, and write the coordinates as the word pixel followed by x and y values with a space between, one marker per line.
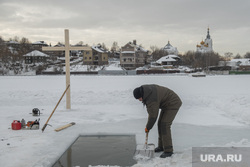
pixel 157 97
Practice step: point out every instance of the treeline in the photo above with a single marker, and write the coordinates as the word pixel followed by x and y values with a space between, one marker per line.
pixel 192 59
pixel 201 60
pixel 197 59
pixel 14 53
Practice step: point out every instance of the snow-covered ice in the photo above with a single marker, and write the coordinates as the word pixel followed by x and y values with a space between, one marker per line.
pixel 215 112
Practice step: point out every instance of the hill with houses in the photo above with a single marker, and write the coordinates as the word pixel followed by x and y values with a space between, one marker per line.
pixel 25 58
pixel 130 59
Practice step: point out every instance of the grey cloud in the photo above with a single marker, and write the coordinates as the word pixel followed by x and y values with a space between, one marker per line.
pixel 186 19
pixel 96 13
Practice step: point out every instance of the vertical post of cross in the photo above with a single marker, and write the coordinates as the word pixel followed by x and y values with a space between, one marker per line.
pixel 67 49
pixel 67 66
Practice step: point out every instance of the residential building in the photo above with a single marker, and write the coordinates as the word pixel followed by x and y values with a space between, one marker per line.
pixel 237 64
pixel 97 56
pixel 133 56
pixel 38 45
pixel 13 46
pixel 35 57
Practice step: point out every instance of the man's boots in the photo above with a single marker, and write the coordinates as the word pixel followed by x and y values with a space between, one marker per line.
pixel 166 154
pixel 159 149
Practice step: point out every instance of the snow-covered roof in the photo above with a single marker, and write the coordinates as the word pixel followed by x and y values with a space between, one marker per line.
pixel 137 47
pixel 36 53
pixel 99 49
pixel 12 50
pixel 39 43
pixel 168 58
pixel 12 42
pixel 59 45
pixel 241 62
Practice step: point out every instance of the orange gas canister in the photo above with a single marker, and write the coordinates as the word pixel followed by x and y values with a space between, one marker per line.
pixel 16 125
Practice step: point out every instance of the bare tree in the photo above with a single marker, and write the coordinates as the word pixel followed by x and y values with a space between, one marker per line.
pixel 115 47
pixel 157 53
pixel 25 47
pixel 238 56
pixel 228 56
pixel 4 52
pixel 200 60
pixel 153 48
pixel 80 43
pixel 104 46
pixel 16 39
pixel 247 55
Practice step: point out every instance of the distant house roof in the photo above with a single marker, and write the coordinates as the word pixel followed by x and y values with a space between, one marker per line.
pixel 168 58
pixel 13 42
pixel 137 47
pixel 36 53
pixel 99 49
pixel 242 62
pixel 59 45
pixel 40 43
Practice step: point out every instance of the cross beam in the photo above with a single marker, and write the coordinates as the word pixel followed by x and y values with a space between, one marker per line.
pixel 63 48
pixel 67 48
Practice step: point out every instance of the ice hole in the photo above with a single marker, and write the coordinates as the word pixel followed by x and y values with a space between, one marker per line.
pixel 97 150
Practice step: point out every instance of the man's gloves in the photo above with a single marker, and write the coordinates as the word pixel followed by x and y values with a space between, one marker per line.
pixel 146 130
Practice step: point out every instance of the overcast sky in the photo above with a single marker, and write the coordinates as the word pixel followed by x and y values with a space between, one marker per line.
pixel 151 22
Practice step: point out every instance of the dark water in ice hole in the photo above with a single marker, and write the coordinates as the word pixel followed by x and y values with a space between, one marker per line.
pixel 100 150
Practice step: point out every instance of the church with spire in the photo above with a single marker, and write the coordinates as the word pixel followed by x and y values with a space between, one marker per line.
pixel 170 49
pixel 206 45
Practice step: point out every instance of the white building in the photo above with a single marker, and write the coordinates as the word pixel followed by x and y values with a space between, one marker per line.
pixel 235 62
pixel 170 49
pixel 168 60
pixel 206 45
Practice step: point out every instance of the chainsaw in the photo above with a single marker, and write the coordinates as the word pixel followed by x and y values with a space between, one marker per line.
pixel 33 124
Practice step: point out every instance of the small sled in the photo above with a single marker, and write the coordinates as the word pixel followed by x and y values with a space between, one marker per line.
pixel 144 152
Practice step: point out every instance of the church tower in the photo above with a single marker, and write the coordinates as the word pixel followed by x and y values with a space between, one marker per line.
pixel 206 45
pixel 170 49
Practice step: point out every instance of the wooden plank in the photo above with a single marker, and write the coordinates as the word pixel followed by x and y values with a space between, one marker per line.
pixel 80 48
pixel 63 48
pixel 53 48
pixel 67 68
pixel 65 126
pixel 55 108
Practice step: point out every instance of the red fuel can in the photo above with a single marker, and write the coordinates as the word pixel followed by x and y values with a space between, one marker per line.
pixel 16 125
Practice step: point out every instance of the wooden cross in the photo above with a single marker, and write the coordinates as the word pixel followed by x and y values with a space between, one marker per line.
pixel 67 48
